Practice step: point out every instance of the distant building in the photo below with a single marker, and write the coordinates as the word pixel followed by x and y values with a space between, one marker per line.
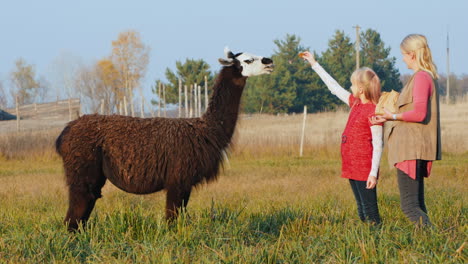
pixel 6 116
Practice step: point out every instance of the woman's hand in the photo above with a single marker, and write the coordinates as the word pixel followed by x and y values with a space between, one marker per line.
pixel 379 119
pixel 306 55
pixel 387 114
pixel 371 182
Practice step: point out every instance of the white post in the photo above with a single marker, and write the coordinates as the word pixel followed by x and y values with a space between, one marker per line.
pixel 69 109
pixel 102 106
pixel 17 115
pixel 199 100
pixel 195 99
pixel 206 93
pixel 186 100
pixel 159 99
pixel 164 97
pixel 190 100
pixel 142 107
pixel 125 105
pixel 180 98
pixel 448 71
pixel 303 131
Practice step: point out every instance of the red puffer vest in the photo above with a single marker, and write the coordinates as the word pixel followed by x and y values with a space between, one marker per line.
pixel 356 141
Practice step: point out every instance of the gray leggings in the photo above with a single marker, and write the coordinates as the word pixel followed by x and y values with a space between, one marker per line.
pixel 412 194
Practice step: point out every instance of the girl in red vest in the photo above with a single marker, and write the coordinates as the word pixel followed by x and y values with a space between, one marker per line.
pixel 361 142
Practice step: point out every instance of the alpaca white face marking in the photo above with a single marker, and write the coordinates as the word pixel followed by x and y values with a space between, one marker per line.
pixel 250 65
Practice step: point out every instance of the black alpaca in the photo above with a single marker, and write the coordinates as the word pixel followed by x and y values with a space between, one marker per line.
pixel 146 155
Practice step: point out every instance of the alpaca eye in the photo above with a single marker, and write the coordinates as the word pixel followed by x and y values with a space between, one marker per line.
pixel 249 61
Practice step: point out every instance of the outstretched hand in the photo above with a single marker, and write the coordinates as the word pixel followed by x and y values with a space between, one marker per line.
pixel 306 55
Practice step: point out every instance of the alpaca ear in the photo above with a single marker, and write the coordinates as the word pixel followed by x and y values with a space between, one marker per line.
pixel 228 53
pixel 225 62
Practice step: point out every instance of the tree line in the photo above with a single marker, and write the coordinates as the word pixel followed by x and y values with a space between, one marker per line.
pixel 113 82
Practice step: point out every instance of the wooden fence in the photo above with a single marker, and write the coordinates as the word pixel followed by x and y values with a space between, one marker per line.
pixel 68 109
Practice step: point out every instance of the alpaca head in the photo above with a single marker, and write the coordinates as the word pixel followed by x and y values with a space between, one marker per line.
pixel 248 64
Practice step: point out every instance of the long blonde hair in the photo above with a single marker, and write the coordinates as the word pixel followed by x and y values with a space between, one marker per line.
pixel 418 44
pixel 370 82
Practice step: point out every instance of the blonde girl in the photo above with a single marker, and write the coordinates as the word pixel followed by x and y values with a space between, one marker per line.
pixel 361 142
pixel 414 136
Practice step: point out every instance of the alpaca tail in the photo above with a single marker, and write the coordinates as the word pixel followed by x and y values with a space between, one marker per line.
pixel 58 142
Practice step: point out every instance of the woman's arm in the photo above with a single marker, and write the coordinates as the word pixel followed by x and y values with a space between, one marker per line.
pixel 377 146
pixel 332 85
pixel 422 90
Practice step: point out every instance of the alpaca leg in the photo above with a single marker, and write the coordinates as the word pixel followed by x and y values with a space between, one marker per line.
pixel 82 198
pixel 81 203
pixel 176 198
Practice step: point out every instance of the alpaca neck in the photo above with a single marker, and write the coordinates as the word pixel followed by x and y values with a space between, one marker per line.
pixel 223 108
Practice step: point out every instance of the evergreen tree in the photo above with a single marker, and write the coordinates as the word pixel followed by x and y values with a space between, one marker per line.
pixel 191 72
pixel 338 60
pixel 277 93
pixel 375 55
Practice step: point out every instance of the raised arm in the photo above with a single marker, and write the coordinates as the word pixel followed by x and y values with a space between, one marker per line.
pixel 332 85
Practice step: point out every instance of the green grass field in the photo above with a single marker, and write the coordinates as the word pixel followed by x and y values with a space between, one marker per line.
pixel 272 209
pixel 268 206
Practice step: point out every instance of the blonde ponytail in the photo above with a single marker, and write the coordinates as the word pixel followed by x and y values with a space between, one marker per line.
pixel 418 44
pixel 369 81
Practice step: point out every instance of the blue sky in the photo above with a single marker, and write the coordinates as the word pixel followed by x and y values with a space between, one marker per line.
pixel 43 32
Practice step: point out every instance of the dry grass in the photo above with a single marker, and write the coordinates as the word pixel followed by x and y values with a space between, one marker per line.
pixel 280 134
pixel 256 134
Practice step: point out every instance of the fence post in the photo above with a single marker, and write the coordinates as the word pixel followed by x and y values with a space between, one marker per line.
pixel 164 97
pixel 142 107
pixel 125 105
pixel 180 98
pixel 195 100
pixel 206 93
pixel 186 100
pixel 17 114
pixel 199 100
pixel 303 131
pixel 102 106
pixel 69 109
pixel 79 109
pixel 159 99
pixel 190 100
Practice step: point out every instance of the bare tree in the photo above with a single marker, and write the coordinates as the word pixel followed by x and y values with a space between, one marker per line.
pixel 3 97
pixel 43 90
pixel 88 82
pixel 100 86
pixel 25 85
pixel 130 56
pixel 109 88
pixel 63 72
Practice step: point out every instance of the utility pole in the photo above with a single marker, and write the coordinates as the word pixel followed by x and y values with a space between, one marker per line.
pixel 358 45
pixel 448 70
